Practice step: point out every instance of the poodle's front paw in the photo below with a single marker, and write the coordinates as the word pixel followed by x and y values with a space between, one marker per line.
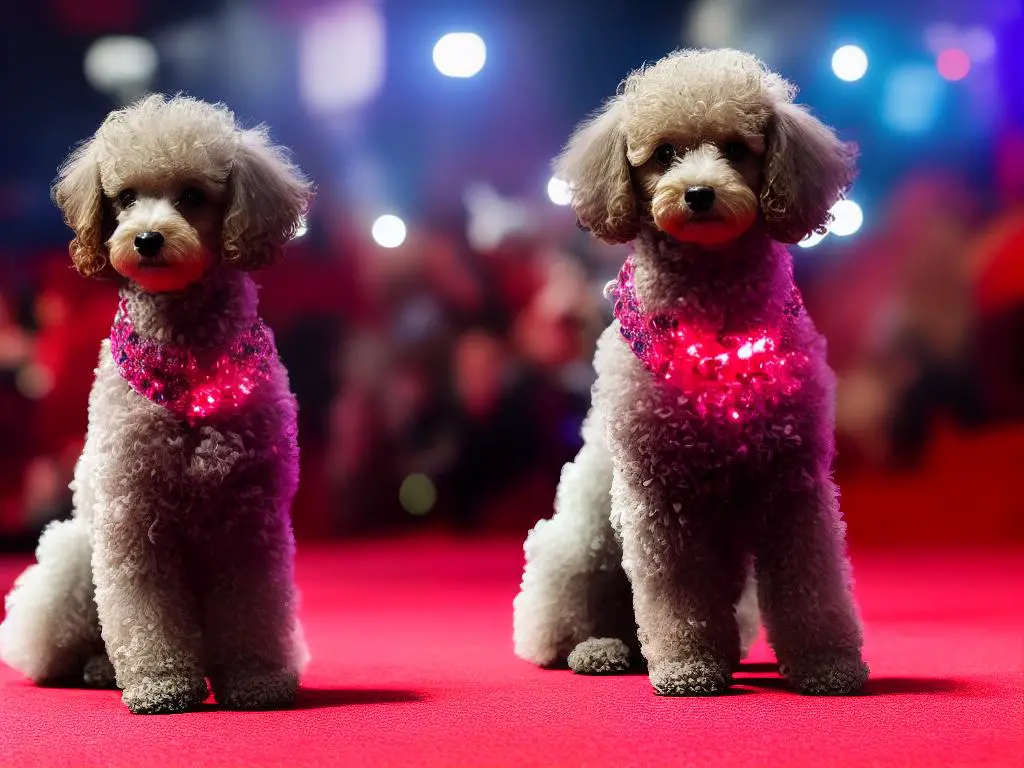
pixel 164 695
pixel 260 690
pixel 99 672
pixel 599 656
pixel 698 677
pixel 827 676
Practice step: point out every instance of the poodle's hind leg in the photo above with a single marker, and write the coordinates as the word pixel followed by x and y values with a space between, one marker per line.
pixel 602 656
pixel 51 629
pixel 575 604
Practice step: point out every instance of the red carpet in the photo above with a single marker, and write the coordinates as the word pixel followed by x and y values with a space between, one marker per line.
pixel 413 666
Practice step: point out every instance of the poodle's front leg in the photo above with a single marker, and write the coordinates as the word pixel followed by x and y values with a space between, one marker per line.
pixel 685 586
pixel 146 608
pixel 575 601
pixel 804 585
pixel 253 644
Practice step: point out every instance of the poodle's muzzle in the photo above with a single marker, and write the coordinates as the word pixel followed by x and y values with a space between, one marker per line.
pixel 156 246
pixel 702 198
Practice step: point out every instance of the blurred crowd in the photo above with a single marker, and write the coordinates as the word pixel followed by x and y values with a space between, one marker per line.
pixel 925 314
pixel 444 384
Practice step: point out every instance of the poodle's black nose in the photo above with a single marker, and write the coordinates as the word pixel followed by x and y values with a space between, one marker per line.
pixel 699 199
pixel 150 243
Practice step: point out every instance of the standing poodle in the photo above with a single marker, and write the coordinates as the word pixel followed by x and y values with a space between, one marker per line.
pixel 708 447
pixel 177 563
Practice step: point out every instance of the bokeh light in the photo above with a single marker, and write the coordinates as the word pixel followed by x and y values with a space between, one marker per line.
pixel 388 231
pixel 302 229
pixel 940 35
pixel 120 65
pixel 341 57
pixel 812 240
pixel 912 99
pixel 34 381
pixel 847 218
pixel 490 218
pixel 559 192
pixel 417 494
pixel 953 64
pixel 980 44
pixel 460 54
pixel 850 63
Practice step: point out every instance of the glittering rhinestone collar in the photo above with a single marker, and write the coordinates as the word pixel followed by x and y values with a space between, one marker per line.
pixel 734 374
pixel 171 375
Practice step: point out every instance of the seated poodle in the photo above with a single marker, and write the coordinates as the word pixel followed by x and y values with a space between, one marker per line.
pixel 703 492
pixel 176 565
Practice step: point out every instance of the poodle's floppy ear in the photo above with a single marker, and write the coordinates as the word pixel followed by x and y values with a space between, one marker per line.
pixel 807 169
pixel 267 197
pixel 594 165
pixel 78 194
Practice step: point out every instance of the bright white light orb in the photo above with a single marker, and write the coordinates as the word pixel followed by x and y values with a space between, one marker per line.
pixel 388 231
pixel 302 229
pixel 559 192
pixel 460 54
pixel 120 64
pixel 812 240
pixel 847 218
pixel 849 63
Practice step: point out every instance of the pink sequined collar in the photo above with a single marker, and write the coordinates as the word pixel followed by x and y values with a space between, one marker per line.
pixel 731 373
pixel 171 375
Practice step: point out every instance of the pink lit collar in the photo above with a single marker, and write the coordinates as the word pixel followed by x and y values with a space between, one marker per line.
pixel 170 374
pixel 733 374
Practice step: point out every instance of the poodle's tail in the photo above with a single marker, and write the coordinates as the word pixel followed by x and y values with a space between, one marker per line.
pixel 51 627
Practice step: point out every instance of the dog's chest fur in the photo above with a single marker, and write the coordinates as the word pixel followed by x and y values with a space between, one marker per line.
pixel 662 432
pixel 188 478
pixel 660 437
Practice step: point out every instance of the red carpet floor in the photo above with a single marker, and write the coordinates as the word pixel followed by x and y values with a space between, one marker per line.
pixel 413 666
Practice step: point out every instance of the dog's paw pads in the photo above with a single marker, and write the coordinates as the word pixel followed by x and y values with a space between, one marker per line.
pixel 599 656
pixel 689 678
pixel 827 677
pixel 164 695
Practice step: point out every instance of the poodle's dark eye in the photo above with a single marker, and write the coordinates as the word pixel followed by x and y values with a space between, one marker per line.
pixel 126 198
pixel 665 154
pixel 736 151
pixel 191 198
